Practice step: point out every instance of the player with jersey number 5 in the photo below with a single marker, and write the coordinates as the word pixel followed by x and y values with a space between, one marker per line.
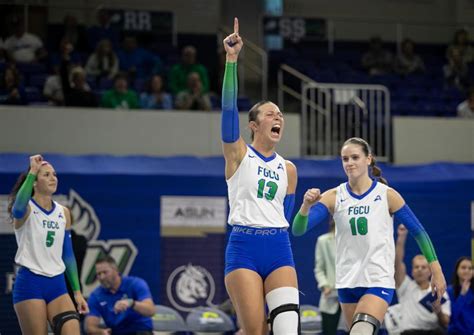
pixel 43 234
pixel 261 185
pixel 364 210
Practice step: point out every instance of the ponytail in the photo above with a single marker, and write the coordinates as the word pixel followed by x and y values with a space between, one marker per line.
pixel 377 172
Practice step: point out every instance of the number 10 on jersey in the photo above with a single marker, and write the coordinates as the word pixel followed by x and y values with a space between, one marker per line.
pixel 359 226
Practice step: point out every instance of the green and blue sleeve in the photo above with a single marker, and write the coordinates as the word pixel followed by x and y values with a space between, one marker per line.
pixel 406 217
pixel 23 196
pixel 70 262
pixel 230 115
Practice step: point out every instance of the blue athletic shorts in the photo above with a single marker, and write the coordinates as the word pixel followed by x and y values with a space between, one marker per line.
pixel 262 250
pixel 29 285
pixel 353 295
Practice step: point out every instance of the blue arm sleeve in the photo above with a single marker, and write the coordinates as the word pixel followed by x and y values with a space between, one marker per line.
pixel 230 116
pixel 406 217
pixel 70 262
pixel 318 214
pixel 289 205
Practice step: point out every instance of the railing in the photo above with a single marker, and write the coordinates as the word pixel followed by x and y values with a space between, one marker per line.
pixel 255 67
pixel 332 113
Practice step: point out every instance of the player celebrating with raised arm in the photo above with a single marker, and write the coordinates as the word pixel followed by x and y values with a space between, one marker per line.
pixel 364 210
pixel 261 186
pixel 42 231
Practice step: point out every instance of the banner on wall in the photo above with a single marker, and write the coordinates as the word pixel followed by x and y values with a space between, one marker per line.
pixel 193 230
pixel 295 29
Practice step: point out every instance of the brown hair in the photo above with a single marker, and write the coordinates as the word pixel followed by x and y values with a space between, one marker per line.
pixel 254 111
pixel 455 280
pixel 375 170
pixel 12 197
pixel 107 259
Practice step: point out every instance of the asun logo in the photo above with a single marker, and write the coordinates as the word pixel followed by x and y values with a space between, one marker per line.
pixel 190 286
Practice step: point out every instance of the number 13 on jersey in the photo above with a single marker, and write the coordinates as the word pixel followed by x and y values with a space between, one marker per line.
pixel 270 186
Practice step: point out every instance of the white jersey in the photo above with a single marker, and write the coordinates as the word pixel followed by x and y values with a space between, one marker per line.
pixel 257 191
pixel 40 240
pixel 365 249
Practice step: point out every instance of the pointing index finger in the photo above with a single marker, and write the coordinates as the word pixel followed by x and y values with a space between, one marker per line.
pixel 236 26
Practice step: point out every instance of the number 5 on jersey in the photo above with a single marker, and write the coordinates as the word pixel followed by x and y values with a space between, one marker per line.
pixel 272 189
pixel 50 238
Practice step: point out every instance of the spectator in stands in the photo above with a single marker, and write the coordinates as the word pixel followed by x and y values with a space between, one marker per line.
pixel 11 90
pixel 466 108
pixel 377 60
pixel 179 73
pixel 103 30
pixel 461 42
pixel 55 58
pixel 136 61
pixel 325 272
pixel 75 88
pixel 408 62
pixel 193 97
pixel 124 302
pixel 456 72
pixel 120 96
pixel 53 89
pixel 74 33
pixel 103 63
pixel 461 293
pixel 155 97
pixel 23 47
pixel 2 51
pixel 419 315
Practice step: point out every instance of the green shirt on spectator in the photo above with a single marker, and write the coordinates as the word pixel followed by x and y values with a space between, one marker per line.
pixel 114 99
pixel 179 76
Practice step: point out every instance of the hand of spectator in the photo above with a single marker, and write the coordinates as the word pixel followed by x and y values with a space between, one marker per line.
pixel 122 305
pixel 327 291
pixel 14 93
pixel 466 284
pixel 233 43
pixel 402 231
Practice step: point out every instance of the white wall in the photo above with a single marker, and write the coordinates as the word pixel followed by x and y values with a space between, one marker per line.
pixel 423 140
pixel 78 131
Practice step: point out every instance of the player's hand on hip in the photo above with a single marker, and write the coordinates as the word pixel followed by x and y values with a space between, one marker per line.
pixel 233 43
pixel 312 196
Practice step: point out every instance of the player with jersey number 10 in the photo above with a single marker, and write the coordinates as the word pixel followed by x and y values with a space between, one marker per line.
pixel 43 234
pixel 259 265
pixel 364 209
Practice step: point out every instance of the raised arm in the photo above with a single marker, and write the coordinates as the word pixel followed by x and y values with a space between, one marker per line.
pixel 400 267
pixel 234 146
pixel 404 215
pixel 20 209
pixel 316 209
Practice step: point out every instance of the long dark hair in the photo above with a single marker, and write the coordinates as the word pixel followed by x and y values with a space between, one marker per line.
pixel 253 113
pixel 375 170
pixel 12 197
pixel 455 280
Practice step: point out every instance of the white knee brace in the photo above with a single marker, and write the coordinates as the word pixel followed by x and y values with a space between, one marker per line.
pixel 283 306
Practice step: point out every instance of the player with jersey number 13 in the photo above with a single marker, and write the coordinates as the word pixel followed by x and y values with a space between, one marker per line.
pixel 364 209
pixel 259 264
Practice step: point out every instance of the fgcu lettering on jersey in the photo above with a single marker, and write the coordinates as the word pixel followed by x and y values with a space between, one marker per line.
pixel 50 224
pixel 358 210
pixel 268 173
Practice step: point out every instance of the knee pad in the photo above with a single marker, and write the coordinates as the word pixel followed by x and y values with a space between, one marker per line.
pixel 60 319
pixel 364 324
pixel 284 311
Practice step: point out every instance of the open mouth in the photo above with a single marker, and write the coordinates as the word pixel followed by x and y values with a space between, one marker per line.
pixel 276 130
